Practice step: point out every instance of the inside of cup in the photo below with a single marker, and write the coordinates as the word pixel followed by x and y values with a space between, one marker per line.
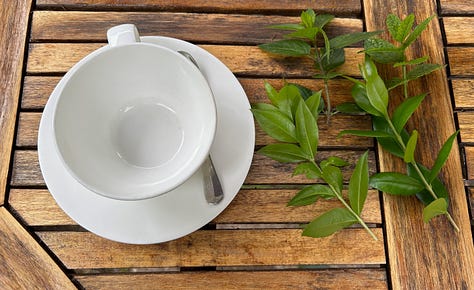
pixel 134 121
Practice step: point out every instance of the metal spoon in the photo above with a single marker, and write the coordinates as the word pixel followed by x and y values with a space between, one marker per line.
pixel 212 185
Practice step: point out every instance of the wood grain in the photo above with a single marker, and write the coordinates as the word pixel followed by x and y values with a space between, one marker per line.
pixel 466 125
pixel 469 151
pixel 213 28
pixel 426 256
pixel 24 264
pixel 463 90
pixel 461 61
pixel 459 30
pixel 348 7
pixel 14 19
pixel 83 250
pixel 456 7
pixel 290 280
pixel 28 124
pixel 26 170
pixel 36 207
pixel 47 58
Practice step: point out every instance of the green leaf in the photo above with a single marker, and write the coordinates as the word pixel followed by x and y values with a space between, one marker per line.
pixel 288 26
pixel 410 148
pixel 314 104
pixel 284 152
pixel 308 33
pixel 422 70
pixel 276 124
pixel 404 111
pixel 272 93
pixel 308 18
pixel 333 176
pixel 328 75
pixel 349 108
pixel 383 51
pixel 310 194
pixel 364 133
pixel 306 129
pixel 412 62
pixel 308 169
pixel 437 207
pixel 304 91
pixel 395 183
pixel 377 93
pixel 442 156
pixel 359 184
pixel 335 59
pixel 359 93
pixel 405 28
pixel 287 100
pixel 287 47
pixel 393 23
pixel 390 144
pixel 437 186
pixel 417 31
pixel 322 20
pixel 345 40
pixel 329 222
pixel 334 160
pixel 264 106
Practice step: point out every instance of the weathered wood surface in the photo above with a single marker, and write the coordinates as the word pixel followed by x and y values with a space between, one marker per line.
pixel 84 250
pixel 55 58
pixel 461 61
pixel 36 207
pixel 346 8
pixel 236 280
pixel 426 256
pixel 459 30
pixel 456 7
pixel 24 264
pixel 14 19
pixel 463 90
pixel 213 28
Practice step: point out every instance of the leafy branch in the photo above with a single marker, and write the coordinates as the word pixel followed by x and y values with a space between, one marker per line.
pixel 303 41
pixel 291 118
pixel 372 96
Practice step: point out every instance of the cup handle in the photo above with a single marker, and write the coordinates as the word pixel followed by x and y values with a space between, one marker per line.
pixel 123 34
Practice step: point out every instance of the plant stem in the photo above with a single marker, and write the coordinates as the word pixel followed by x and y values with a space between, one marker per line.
pixel 425 182
pixel 405 81
pixel 326 85
pixel 341 199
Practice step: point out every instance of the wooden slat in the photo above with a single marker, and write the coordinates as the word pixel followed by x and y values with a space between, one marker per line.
pixel 213 28
pixel 463 91
pixel 466 125
pixel 26 170
pixel 348 7
pixel 459 30
pixel 24 263
pixel 461 60
pixel 418 252
pixel 14 19
pixel 29 122
pixel 325 279
pixel 469 151
pixel 456 7
pixel 242 60
pixel 79 250
pixel 471 202
pixel 37 89
pixel 38 208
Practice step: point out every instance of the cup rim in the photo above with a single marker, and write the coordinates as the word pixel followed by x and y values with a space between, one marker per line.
pixel 152 191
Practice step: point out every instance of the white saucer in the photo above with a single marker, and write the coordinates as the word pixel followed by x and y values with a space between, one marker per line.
pixel 176 213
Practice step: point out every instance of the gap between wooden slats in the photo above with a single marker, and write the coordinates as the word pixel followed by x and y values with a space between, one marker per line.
pixel 459 30
pixel 348 7
pixel 213 28
pixel 57 58
pixel 219 248
pixel 263 171
pixel 320 279
pixel 37 208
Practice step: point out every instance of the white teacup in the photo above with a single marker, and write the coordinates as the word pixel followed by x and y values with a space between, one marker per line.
pixel 134 120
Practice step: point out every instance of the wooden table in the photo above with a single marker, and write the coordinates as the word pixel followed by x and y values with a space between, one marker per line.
pixel 256 242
